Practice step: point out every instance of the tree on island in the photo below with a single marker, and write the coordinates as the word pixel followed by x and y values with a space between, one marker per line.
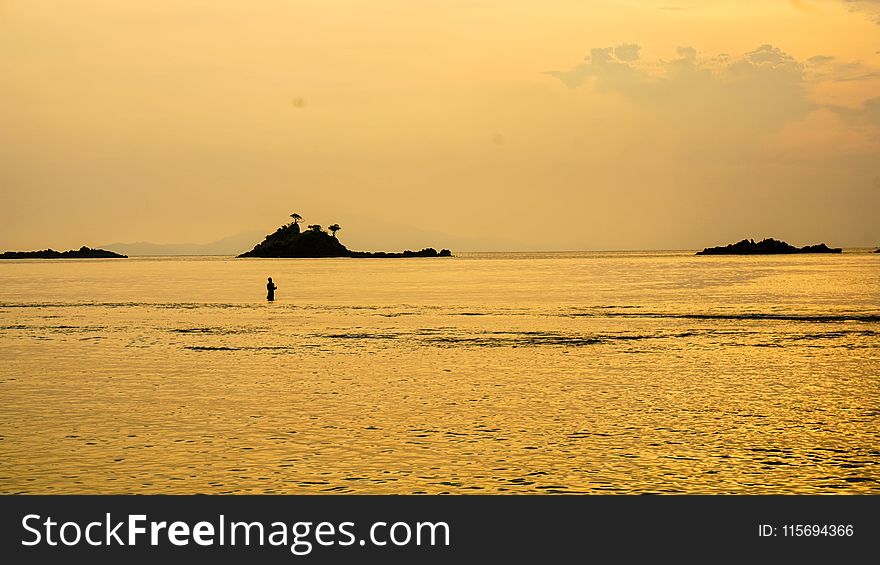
pixel 333 229
pixel 316 227
pixel 296 218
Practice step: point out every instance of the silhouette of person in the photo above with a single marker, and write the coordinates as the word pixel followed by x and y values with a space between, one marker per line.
pixel 271 288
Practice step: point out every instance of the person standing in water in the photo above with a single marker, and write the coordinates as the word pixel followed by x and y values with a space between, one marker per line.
pixel 271 288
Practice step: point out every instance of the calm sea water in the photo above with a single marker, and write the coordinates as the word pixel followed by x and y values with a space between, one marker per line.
pixel 483 373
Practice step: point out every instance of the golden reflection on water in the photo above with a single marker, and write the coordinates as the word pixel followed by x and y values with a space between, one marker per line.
pixel 518 373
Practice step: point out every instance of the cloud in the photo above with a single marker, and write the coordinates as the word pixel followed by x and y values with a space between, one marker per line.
pixel 688 53
pixel 870 8
pixel 824 67
pixel 757 91
pixel 867 114
pixel 820 60
pixel 600 62
pixel 770 55
pixel 627 52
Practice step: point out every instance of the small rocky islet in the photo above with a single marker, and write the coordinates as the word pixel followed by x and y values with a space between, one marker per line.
pixel 290 241
pixel 767 246
pixel 81 253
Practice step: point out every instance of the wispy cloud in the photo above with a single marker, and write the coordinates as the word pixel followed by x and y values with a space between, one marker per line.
pixel 869 7
pixel 828 68
pixel 867 114
pixel 763 88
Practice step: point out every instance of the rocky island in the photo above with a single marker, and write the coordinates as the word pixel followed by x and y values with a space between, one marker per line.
pixel 81 253
pixel 766 247
pixel 289 241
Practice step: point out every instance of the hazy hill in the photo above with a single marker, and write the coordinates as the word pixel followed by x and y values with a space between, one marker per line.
pixel 232 245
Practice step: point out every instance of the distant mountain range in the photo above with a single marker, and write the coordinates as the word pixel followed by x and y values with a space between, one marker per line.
pixel 232 245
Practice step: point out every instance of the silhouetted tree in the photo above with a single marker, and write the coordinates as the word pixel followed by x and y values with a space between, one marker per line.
pixel 333 229
pixel 296 217
pixel 315 227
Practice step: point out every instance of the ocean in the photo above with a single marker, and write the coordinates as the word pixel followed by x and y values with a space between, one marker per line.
pixel 623 372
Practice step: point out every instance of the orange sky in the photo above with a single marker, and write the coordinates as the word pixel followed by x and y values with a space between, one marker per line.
pixel 476 125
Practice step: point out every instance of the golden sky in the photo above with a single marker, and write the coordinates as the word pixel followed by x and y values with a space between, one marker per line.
pixel 476 125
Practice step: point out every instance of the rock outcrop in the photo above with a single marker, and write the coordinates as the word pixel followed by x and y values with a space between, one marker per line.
pixel 288 241
pixel 426 252
pixel 766 247
pixel 81 253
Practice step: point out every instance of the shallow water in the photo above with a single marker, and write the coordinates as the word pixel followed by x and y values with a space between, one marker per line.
pixel 483 373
